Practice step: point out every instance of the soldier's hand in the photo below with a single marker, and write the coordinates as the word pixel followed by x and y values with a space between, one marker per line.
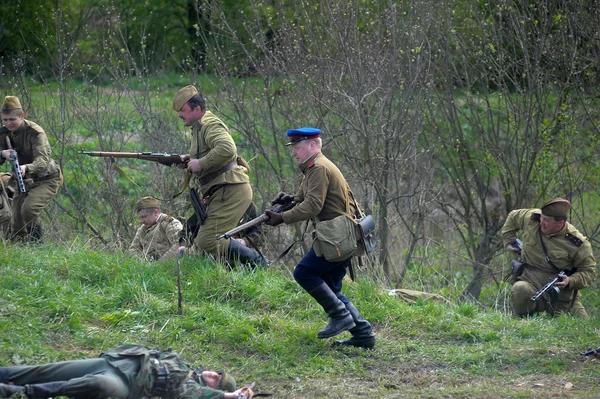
pixel 6 154
pixel 194 166
pixel 512 249
pixel 563 282
pixel 282 198
pixel 275 219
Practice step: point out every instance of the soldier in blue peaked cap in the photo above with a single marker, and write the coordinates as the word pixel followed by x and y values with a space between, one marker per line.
pixel 304 133
pixel 325 198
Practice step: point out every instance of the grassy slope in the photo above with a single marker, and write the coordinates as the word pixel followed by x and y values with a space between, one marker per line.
pixel 58 304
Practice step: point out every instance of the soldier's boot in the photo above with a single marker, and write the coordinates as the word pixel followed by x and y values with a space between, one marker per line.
pixel 340 319
pixel 240 253
pixel 46 390
pixel 362 333
pixel 35 233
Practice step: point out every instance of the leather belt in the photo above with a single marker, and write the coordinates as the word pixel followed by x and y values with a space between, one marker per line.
pixel 207 178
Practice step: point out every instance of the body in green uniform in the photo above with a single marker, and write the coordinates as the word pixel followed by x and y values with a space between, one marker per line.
pixel 566 248
pixel 127 372
pixel 41 173
pixel 159 235
pixel 219 175
pixel 324 195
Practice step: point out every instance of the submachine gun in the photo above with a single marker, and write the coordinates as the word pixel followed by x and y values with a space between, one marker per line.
pixel 14 159
pixel 277 208
pixel 551 287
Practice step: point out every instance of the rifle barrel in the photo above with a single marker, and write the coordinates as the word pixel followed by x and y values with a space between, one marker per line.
pixel 256 221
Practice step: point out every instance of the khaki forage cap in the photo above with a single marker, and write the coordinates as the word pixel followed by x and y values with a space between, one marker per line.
pixel 147 202
pixel 183 96
pixel 10 103
pixel 556 207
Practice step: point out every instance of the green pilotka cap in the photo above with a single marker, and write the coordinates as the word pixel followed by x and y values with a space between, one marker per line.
pixel 556 207
pixel 11 103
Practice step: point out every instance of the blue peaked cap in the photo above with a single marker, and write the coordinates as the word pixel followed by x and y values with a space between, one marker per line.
pixel 303 133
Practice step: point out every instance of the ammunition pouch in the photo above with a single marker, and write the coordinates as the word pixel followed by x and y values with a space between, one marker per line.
pixel 169 373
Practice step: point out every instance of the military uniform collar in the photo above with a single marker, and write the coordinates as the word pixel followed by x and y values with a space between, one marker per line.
pixel 309 163
pixel 22 127
pixel 560 232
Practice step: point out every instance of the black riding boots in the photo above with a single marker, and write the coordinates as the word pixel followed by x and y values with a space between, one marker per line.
pixel 339 318
pixel 362 333
pixel 244 255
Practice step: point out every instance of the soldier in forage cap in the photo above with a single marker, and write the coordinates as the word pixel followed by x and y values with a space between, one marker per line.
pixel 220 175
pixel 550 245
pixel 42 175
pixel 159 235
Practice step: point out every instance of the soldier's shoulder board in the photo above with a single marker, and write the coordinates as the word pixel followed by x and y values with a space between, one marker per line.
pixel 536 216
pixel 578 242
pixel 33 128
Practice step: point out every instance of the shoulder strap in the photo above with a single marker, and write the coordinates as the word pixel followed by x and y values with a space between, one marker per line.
pixel 556 269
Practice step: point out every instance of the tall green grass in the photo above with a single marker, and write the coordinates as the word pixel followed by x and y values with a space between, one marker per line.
pixel 58 304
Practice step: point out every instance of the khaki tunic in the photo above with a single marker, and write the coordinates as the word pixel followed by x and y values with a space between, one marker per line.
pixel 229 193
pixel 568 249
pixel 322 192
pixel 33 150
pixel 159 241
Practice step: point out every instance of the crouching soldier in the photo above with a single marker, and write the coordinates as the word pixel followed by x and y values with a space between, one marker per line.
pixel 159 235
pixel 127 372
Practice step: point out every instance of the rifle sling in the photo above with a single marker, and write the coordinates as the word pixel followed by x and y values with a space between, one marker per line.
pixel 289 248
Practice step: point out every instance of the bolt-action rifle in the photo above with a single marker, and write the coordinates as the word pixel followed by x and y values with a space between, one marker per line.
pixel 277 208
pixel 550 286
pixel 14 159
pixel 162 158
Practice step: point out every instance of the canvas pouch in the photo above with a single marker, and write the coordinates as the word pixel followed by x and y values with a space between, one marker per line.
pixel 335 239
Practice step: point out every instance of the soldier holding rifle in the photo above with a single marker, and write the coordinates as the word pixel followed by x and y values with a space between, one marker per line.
pixel 325 198
pixel 551 245
pixel 38 169
pixel 219 174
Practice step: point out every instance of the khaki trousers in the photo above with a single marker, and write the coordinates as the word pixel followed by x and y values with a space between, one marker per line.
pixel 225 208
pixel 520 297
pixel 26 207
